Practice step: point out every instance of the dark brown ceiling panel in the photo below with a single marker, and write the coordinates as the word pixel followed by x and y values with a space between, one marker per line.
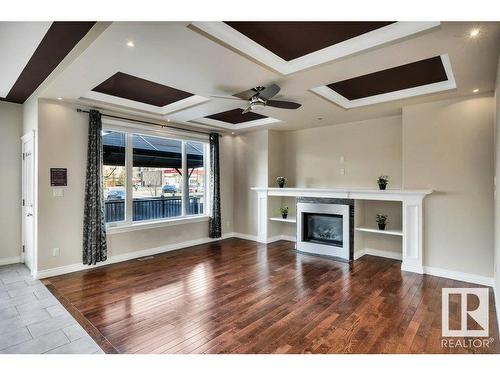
pixel 290 40
pixel 55 45
pixel 140 90
pixel 234 116
pixel 402 77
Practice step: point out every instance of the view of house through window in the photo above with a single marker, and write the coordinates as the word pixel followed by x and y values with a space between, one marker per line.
pixel 157 180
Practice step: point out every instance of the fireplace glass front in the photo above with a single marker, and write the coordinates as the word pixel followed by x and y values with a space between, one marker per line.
pixel 323 229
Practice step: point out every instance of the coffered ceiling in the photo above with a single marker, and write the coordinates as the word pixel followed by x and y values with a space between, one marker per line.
pixel 187 71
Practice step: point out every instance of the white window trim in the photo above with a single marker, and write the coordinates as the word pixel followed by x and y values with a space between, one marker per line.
pixel 141 225
pixel 130 129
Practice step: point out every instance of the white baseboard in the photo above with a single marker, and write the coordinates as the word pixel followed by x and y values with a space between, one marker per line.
pixel 127 256
pixel 288 238
pixel 460 276
pixel 412 268
pixel 378 253
pixel 497 305
pixel 251 237
pixel 10 260
pixel 245 236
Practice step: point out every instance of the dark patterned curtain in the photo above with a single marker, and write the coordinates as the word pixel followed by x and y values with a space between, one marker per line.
pixel 214 221
pixel 94 226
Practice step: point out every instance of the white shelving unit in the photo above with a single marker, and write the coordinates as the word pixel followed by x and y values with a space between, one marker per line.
pixel 287 220
pixel 411 220
pixel 391 232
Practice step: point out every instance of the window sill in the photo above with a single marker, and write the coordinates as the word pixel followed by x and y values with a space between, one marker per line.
pixel 154 224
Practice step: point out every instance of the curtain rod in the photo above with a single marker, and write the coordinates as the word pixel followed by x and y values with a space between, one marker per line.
pixel 147 122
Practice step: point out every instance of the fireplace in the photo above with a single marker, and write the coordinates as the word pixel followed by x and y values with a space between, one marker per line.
pixel 325 227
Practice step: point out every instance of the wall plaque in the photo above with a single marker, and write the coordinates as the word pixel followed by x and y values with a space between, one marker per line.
pixel 58 177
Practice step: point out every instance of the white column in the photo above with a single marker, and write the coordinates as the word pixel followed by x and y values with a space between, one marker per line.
pixel 412 235
pixel 262 216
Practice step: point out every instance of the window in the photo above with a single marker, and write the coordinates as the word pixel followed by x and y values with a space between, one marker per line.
pixel 114 175
pixel 152 178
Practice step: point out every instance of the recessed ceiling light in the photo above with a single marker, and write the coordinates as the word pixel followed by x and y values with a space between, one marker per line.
pixel 59 98
pixel 475 90
pixel 168 120
pixel 474 33
pixel 130 44
pixel 232 133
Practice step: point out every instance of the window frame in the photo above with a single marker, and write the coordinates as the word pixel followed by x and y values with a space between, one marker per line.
pixel 129 129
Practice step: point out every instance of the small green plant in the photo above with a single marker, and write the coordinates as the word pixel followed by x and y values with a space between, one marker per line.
pixel 382 182
pixel 284 212
pixel 381 220
pixel 281 181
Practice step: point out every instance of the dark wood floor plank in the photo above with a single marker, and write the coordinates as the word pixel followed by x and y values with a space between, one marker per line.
pixel 238 296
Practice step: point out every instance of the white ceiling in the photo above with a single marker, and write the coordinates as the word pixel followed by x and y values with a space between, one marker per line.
pixel 18 42
pixel 172 54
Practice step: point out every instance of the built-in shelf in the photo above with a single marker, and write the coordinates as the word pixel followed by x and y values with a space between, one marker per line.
pixel 287 220
pixel 391 232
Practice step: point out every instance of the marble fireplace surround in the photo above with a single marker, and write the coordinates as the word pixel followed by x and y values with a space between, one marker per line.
pixel 412 214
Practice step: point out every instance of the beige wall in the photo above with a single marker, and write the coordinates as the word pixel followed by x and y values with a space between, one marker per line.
pixel 10 188
pixel 250 169
pixel 30 114
pixel 311 158
pixel 448 147
pixel 497 197
pixel 370 148
pixel 62 140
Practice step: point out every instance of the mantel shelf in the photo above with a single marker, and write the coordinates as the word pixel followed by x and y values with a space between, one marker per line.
pixel 392 232
pixel 287 220
pixel 346 193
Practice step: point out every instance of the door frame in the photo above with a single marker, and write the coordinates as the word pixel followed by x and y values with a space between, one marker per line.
pixel 30 136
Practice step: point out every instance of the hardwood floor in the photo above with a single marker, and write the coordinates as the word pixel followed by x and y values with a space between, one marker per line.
pixel 238 296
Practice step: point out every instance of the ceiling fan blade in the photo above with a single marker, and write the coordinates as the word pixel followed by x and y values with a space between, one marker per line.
pixel 247 109
pixel 282 104
pixel 225 97
pixel 269 91
pixel 245 95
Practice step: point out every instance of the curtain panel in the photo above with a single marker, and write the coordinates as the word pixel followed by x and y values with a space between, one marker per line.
pixel 214 221
pixel 94 225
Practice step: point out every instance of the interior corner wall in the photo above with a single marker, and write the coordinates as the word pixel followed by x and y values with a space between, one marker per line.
pixel 448 147
pixel 250 169
pixel 10 189
pixel 62 142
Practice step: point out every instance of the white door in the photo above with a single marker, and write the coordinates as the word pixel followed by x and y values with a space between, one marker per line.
pixel 28 200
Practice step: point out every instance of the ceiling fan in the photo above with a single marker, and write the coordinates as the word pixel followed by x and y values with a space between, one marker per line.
pixel 260 96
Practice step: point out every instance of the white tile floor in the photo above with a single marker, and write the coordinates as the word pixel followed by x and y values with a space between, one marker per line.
pixel 33 321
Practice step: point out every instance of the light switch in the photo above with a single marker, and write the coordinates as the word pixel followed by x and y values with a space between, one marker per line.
pixel 342 171
pixel 55 252
pixel 342 159
pixel 58 192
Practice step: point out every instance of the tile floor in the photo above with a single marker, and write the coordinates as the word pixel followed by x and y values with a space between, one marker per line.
pixel 33 321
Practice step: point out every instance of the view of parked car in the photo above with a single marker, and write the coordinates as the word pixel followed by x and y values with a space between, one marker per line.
pixel 116 194
pixel 169 189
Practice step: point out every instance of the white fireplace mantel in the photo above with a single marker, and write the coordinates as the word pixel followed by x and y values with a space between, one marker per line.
pixel 412 255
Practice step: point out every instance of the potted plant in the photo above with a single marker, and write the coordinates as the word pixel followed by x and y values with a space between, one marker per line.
pixel 382 182
pixel 284 212
pixel 381 221
pixel 281 181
